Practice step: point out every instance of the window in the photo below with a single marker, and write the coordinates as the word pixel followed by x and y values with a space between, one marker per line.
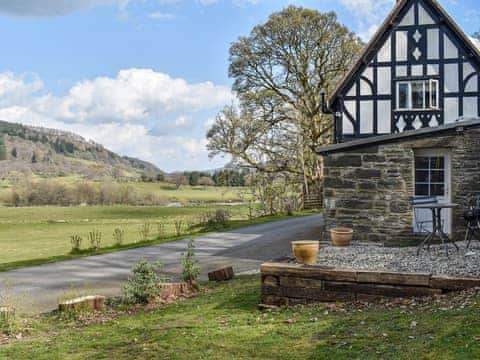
pixel 430 176
pixel 417 95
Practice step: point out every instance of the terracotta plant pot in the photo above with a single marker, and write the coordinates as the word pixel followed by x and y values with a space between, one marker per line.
pixel 341 236
pixel 306 252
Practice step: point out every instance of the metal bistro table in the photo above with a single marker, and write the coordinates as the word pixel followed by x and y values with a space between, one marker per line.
pixel 437 230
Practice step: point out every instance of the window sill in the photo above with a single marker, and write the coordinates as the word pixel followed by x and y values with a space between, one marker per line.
pixel 416 110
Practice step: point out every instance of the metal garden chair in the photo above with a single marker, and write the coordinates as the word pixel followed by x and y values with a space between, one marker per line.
pixel 423 225
pixel 472 217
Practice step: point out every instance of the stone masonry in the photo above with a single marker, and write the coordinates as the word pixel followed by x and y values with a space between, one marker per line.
pixel 370 188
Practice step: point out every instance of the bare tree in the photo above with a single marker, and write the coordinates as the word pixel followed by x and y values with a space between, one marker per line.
pixel 206 181
pixel 178 180
pixel 280 70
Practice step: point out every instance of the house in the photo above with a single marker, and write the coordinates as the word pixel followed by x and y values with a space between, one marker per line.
pixel 406 124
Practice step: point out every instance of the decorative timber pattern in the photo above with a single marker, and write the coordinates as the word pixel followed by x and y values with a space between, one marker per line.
pixel 420 70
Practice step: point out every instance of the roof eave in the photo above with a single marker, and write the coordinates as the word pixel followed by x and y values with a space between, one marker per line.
pixel 390 138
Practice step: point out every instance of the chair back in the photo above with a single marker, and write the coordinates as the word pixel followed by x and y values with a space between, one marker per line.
pixel 425 200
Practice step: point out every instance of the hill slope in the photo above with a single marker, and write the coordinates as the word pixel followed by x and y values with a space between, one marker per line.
pixel 52 153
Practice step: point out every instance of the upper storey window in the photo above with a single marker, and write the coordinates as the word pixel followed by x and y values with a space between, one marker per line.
pixel 417 95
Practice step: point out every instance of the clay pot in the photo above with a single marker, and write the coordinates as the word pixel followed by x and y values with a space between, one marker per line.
pixel 306 252
pixel 341 236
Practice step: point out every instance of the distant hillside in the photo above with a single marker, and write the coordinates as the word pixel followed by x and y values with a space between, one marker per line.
pixel 50 153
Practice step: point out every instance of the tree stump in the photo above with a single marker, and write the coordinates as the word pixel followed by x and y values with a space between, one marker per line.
pixel 84 303
pixel 175 290
pixel 223 274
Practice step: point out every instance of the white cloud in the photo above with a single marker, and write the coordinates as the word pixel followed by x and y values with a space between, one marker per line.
pixel 475 42
pixel 239 3
pixel 368 13
pixel 160 16
pixel 139 113
pixel 51 7
pixel 135 95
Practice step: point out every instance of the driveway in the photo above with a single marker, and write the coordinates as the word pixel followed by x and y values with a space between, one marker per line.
pixel 38 288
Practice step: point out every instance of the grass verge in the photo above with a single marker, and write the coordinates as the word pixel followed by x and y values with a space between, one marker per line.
pixel 225 324
pixel 233 224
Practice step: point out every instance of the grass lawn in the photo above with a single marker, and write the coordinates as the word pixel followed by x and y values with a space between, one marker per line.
pixel 225 324
pixel 36 235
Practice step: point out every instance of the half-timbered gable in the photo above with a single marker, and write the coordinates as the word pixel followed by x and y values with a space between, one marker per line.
pixel 420 70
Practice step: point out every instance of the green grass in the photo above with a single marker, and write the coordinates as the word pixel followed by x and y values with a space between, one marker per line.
pixel 225 324
pixel 186 194
pixel 38 235
pixel 166 192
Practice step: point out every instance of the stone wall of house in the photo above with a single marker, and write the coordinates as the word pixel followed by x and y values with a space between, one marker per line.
pixel 370 189
pixel 465 175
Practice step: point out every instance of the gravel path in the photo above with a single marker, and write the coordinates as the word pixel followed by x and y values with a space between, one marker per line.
pixel 371 257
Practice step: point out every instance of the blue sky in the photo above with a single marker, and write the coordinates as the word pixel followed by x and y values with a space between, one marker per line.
pixel 144 77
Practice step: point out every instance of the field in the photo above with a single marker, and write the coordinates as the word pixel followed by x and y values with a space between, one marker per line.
pixel 165 191
pixel 187 194
pixel 35 235
pixel 225 324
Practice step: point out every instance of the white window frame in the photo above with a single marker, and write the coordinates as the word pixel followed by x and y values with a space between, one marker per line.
pixel 433 83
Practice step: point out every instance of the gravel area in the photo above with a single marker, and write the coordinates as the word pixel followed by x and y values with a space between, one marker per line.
pixel 372 257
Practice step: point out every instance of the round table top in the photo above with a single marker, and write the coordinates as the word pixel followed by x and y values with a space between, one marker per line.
pixel 436 206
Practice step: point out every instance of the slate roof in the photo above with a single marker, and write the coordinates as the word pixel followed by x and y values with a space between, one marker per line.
pixel 461 125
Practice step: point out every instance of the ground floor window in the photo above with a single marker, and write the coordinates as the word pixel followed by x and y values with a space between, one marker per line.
pixel 430 176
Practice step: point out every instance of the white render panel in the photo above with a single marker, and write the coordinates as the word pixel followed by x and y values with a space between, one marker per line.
pixel 402 45
pixel 470 107
pixel 351 107
pixel 433 69
pixel 433 44
pixel 450 50
pixel 451 78
pixel 451 110
pixel 409 18
pixel 402 70
pixel 472 84
pixel 366 117
pixel 384 117
pixel 467 70
pixel 368 73
pixel 347 126
pixel 353 90
pixel 365 88
pixel 424 17
pixel 384 80
pixel 385 53
pixel 417 70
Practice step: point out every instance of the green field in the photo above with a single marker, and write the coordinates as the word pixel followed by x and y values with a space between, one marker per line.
pixel 36 235
pixel 44 232
pixel 166 192
pixel 187 194
pixel 225 324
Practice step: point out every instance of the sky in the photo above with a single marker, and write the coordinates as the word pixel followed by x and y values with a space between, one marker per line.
pixel 145 78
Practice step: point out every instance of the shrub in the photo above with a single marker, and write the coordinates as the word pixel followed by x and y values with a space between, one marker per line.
pixel 118 236
pixel 95 237
pixel 290 207
pixel 8 316
pixel 219 218
pixel 76 241
pixel 8 320
pixel 178 227
pixel 161 230
pixel 190 271
pixel 142 284
pixel 144 231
